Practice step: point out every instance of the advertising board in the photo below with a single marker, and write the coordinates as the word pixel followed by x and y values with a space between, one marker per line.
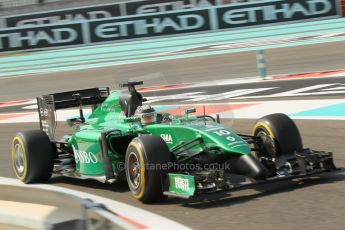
pixel 173 23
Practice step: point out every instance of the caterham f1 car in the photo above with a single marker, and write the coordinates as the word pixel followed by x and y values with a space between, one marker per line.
pixel 158 154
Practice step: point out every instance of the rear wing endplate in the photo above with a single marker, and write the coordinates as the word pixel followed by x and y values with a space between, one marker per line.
pixel 48 104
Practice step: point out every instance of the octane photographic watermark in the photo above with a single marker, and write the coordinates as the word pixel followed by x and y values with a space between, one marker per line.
pixel 173 166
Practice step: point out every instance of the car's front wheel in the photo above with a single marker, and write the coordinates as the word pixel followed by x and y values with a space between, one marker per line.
pixel 279 135
pixel 147 162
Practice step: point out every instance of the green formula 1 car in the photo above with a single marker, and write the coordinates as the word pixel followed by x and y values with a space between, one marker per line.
pixel 158 154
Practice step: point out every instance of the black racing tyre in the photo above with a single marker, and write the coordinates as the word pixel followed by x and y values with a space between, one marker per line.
pixel 32 156
pixel 279 133
pixel 144 157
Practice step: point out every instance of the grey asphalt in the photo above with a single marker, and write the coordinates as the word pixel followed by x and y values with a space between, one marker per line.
pixel 299 59
pixel 315 203
pixel 329 87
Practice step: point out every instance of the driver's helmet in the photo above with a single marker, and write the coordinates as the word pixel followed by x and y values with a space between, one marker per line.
pixel 147 114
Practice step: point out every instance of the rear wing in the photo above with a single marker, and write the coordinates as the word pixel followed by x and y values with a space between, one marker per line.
pixel 48 104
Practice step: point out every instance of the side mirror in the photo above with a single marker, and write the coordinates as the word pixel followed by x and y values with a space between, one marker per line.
pixel 74 121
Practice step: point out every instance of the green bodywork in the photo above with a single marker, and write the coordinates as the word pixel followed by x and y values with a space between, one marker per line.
pixel 108 117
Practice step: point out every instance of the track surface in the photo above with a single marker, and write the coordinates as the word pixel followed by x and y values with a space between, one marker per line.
pixel 279 61
pixel 307 204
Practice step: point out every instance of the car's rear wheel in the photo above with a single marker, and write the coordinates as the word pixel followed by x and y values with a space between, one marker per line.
pixel 32 156
pixel 279 135
pixel 147 161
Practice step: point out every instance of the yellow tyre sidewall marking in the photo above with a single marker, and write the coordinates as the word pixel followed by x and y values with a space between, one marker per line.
pixel 20 141
pixel 270 132
pixel 142 171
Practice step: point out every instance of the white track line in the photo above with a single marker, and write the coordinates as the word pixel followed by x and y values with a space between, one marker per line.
pixel 258 109
pixel 242 80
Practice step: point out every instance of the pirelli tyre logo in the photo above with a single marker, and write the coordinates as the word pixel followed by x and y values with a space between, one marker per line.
pixel 166 24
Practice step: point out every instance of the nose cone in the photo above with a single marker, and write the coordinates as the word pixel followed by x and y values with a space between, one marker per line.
pixel 226 139
pixel 232 143
pixel 249 166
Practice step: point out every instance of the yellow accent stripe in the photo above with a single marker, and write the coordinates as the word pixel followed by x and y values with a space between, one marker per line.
pixel 265 126
pixel 20 141
pixel 142 171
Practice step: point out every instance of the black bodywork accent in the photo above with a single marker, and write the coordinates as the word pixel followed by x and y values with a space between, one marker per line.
pixel 248 165
pixel 48 104
pixel 316 159
pixel 90 96
pixel 108 169
pixel 130 102
pixel 120 143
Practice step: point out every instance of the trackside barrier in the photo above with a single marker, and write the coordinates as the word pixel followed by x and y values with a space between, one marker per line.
pixel 102 11
pixel 42 206
pixel 42 209
pixel 174 23
pixel 164 49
